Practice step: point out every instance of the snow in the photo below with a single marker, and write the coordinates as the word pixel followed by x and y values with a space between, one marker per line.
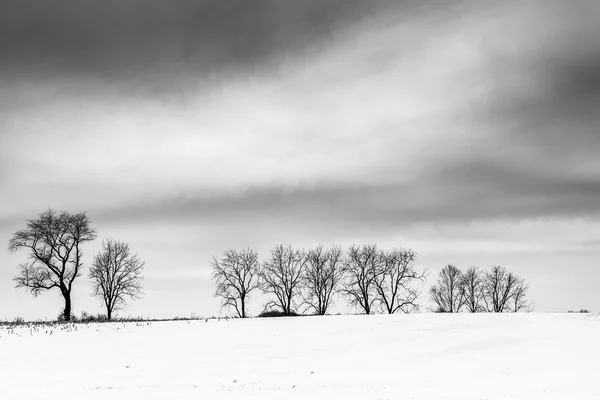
pixel 419 356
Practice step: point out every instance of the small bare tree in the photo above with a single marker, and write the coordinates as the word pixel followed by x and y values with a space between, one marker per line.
pixel 116 276
pixel 236 276
pixel 281 276
pixel 499 287
pixel 519 300
pixel 54 243
pixel 472 285
pixel 321 276
pixel 448 294
pixel 361 265
pixel 394 276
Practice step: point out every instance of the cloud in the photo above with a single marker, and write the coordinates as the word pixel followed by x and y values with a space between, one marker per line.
pixel 476 190
pixel 539 75
pixel 149 40
pixel 480 110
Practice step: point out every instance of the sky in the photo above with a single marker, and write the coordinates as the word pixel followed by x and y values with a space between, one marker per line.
pixel 466 130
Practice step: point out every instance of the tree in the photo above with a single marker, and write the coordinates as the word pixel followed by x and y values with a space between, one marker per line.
pixel 361 266
pixel 499 288
pixel 116 276
pixel 236 276
pixel 393 278
pixel 448 293
pixel 321 276
pixel 519 301
pixel 281 276
pixel 54 243
pixel 472 285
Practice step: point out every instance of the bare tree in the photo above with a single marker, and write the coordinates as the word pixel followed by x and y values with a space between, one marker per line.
pixel 321 276
pixel 116 275
pixel 361 267
pixel 394 276
pixel 519 300
pixel 472 285
pixel 499 287
pixel 281 276
pixel 236 276
pixel 448 293
pixel 54 243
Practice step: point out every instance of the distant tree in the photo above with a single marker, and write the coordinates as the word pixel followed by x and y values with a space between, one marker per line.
pixel 236 276
pixel 361 266
pixel 393 278
pixel 519 300
pixel 448 295
pixel 54 242
pixel 500 288
pixel 472 285
pixel 281 276
pixel 322 274
pixel 116 276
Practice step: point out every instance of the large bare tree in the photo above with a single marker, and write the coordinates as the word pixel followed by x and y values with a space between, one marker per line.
pixel 322 274
pixel 361 265
pixel 448 294
pixel 394 276
pixel 472 285
pixel 281 276
pixel 499 288
pixel 54 242
pixel 116 275
pixel 236 276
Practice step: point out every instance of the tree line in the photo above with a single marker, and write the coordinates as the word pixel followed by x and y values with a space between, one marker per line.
pixel 54 243
pixel 295 280
pixel 369 278
pixel 474 290
pixel 306 281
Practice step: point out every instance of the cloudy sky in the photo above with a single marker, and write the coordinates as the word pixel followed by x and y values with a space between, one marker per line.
pixel 466 130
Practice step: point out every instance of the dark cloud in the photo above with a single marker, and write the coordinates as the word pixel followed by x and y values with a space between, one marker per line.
pixel 545 79
pixel 154 37
pixel 566 92
pixel 474 190
pixel 538 117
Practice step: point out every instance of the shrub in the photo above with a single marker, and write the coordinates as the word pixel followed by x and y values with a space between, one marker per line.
pixel 18 321
pixel 276 313
pixel 102 318
pixel 61 318
pixel 87 318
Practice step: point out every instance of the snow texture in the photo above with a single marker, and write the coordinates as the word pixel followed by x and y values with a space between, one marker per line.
pixel 421 356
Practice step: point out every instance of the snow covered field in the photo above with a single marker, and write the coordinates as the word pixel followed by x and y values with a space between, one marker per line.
pixel 420 356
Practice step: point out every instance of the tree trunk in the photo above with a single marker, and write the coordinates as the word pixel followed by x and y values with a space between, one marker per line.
pixel 109 307
pixel 243 299
pixel 67 311
pixel 367 308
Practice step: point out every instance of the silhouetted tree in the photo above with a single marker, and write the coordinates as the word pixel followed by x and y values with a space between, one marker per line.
pixel 448 293
pixel 361 265
pixel 281 276
pixel 236 276
pixel 472 285
pixel 116 275
pixel 519 300
pixel 322 273
pixel 499 288
pixel 54 243
pixel 394 275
